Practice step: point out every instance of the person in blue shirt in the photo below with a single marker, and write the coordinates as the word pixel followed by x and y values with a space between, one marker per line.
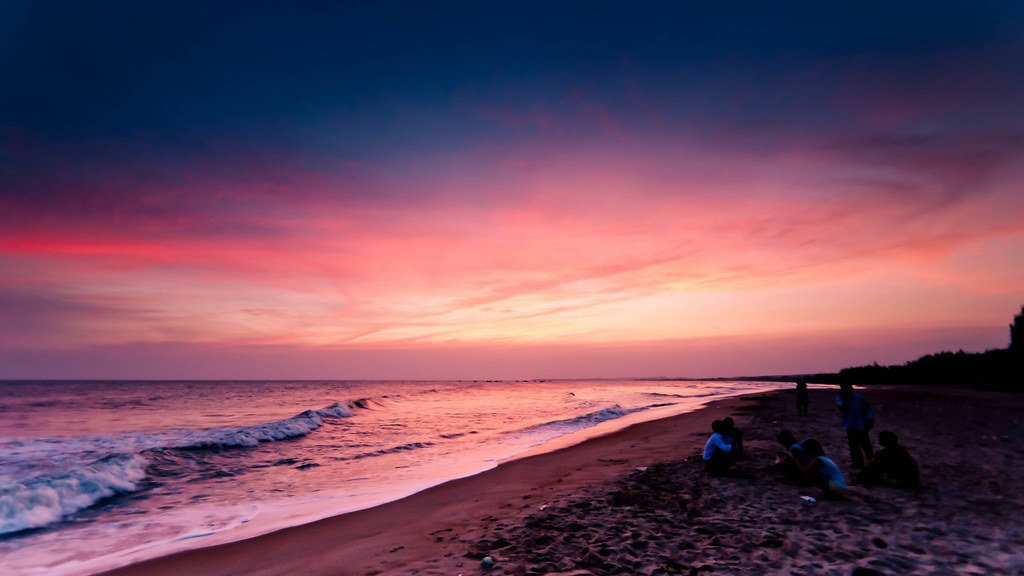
pixel 823 471
pixel 718 451
pixel 858 418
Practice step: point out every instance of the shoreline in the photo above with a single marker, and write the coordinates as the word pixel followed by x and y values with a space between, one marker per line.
pixel 384 522
pixel 638 501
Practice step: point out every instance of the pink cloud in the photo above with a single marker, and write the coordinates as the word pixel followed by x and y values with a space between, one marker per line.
pixel 518 246
pixel 733 356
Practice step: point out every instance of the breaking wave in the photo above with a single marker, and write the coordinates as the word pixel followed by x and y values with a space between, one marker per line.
pixel 46 499
pixel 586 420
pixel 392 450
pixel 249 436
pixel 697 395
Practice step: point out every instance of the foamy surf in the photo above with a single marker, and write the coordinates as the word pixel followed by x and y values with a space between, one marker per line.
pixel 249 436
pixel 46 499
pixel 590 419
pixel 220 462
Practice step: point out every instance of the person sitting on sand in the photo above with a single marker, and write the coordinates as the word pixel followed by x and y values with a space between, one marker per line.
pixel 823 471
pixel 858 418
pixel 791 462
pixel 718 455
pixel 894 463
pixel 735 436
pixel 801 397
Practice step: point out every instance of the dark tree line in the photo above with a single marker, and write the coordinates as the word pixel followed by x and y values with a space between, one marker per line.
pixel 1000 368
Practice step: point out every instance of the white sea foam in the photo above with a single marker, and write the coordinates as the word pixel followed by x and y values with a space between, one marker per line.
pixel 586 420
pixel 46 499
pixel 697 395
pixel 27 458
pixel 204 478
pixel 249 436
pixel 339 410
pixel 392 450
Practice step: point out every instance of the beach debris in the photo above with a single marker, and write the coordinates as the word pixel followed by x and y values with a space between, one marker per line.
pixel 810 499
pixel 487 562
pixel 867 572
pixel 543 506
pixel 493 545
pixel 641 468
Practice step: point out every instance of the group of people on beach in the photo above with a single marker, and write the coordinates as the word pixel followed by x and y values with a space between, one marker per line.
pixel 806 462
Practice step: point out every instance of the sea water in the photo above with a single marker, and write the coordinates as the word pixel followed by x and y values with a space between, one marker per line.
pixel 95 475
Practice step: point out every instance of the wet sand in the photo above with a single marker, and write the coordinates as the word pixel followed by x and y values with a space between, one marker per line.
pixel 639 502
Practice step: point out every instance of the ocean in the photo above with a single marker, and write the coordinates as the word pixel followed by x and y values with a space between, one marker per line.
pixel 95 475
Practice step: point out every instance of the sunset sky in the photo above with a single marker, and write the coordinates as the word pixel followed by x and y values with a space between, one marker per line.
pixel 505 190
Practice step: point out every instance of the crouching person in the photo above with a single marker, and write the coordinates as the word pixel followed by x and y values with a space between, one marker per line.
pixel 718 451
pixel 892 464
pixel 793 460
pixel 824 472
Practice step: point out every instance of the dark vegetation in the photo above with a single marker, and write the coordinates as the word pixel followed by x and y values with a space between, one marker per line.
pixel 1001 368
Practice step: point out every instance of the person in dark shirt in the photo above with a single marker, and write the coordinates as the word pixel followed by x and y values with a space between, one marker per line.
pixel 892 463
pixel 735 436
pixel 801 397
pixel 793 460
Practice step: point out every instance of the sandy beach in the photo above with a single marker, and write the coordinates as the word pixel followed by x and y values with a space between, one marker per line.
pixel 459 288
pixel 639 502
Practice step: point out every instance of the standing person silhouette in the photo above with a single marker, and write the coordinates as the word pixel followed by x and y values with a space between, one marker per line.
pixel 858 418
pixel 801 397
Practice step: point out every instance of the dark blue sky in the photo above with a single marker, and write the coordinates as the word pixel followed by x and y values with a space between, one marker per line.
pixel 413 175
pixel 369 77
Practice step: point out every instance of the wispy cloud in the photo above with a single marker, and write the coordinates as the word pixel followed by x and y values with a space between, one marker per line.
pixel 656 187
